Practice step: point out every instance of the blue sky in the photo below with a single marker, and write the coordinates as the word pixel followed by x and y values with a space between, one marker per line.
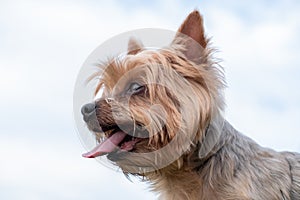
pixel 44 43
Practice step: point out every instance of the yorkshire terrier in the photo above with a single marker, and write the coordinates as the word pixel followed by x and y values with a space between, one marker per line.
pixel 160 118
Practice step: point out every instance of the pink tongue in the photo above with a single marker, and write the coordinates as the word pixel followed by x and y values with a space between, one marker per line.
pixel 106 146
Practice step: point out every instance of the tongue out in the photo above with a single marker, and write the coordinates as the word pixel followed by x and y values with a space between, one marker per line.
pixel 106 146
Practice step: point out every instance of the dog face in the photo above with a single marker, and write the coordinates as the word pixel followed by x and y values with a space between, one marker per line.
pixel 156 105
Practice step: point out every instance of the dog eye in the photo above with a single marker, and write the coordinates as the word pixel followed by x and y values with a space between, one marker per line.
pixel 135 88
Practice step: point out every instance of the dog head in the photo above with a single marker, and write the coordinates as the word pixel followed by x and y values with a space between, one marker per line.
pixel 156 104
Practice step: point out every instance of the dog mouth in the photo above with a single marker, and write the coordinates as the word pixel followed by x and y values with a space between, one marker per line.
pixel 117 141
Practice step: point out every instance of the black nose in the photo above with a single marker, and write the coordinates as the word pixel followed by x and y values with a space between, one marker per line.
pixel 88 109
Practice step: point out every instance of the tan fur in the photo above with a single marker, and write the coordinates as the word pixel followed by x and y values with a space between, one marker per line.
pixel 214 160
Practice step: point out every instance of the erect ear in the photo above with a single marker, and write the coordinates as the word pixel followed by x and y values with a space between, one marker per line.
pixel 193 27
pixel 134 46
pixel 193 31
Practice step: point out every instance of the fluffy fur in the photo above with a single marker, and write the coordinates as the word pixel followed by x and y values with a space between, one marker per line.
pixel 179 109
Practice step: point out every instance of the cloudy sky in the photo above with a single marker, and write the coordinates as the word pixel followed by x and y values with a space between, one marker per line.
pixel 43 45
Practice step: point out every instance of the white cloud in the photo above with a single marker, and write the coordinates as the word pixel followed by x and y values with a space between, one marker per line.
pixel 37 169
pixel 262 67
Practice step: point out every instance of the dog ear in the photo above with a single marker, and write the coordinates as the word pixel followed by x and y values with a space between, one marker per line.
pixel 134 46
pixel 192 27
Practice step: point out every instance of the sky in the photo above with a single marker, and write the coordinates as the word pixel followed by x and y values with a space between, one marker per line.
pixel 43 45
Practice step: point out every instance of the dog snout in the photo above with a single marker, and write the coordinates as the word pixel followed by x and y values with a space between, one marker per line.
pixel 88 110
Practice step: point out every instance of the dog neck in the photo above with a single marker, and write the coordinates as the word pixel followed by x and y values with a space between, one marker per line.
pixel 182 179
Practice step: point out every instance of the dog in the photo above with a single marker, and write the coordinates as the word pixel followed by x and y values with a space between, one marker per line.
pixel 160 117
